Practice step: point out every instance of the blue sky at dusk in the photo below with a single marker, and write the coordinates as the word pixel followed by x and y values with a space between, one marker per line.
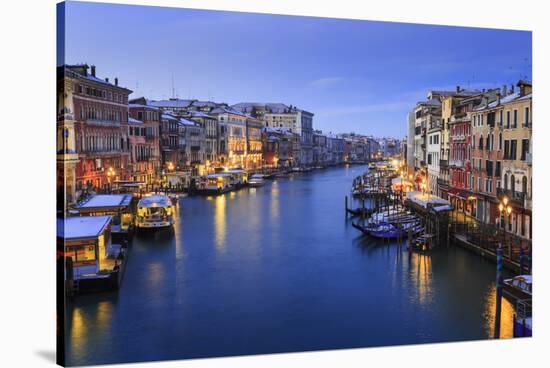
pixel 353 75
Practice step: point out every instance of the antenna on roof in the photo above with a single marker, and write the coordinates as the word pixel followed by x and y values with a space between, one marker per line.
pixel 173 89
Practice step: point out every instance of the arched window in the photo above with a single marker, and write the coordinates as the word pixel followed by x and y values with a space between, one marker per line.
pixel 512 183
pixel 505 181
pixel 499 141
pixel 480 142
pixel 524 184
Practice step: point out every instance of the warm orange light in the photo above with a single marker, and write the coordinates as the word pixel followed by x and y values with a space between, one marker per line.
pixel 505 200
pixel 509 209
pixel 501 207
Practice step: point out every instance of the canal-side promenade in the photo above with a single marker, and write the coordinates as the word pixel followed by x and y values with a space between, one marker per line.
pixel 276 269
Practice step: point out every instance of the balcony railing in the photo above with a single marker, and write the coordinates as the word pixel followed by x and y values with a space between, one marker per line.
pixel 457 163
pixel 443 163
pixel 518 197
pixel 105 123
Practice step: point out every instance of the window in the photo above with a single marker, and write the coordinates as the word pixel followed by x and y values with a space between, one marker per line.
pixel 505 181
pixel 500 118
pixel 489 167
pixel 515 121
pixel 524 184
pixel 513 149
pixel 140 115
pixel 491 119
pixel 497 169
pixel 526 122
pixel 524 149
pixel 499 141
pixel 507 119
pixel 506 150
pixel 512 183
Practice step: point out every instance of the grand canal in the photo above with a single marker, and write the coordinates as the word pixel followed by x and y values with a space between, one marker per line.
pixel 279 269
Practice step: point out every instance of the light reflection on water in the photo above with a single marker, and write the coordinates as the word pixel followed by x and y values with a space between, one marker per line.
pixel 507 313
pixel 275 269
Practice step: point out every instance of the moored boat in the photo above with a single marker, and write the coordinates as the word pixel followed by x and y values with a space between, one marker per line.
pixel 256 180
pixel 155 211
pixel 519 287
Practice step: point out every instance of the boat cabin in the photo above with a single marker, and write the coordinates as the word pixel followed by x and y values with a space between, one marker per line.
pixel 219 181
pixel 85 243
pixel 240 177
pixel 155 211
pixel 119 206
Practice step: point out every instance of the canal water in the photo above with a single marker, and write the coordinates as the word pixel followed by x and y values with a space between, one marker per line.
pixel 280 269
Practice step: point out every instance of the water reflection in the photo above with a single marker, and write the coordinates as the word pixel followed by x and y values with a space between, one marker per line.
pixel 274 202
pixel 280 262
pixel 220 223
pixel 507 314
pixel 421 278
pixel 85 323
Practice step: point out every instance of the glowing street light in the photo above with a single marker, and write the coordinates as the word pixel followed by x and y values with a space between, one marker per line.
pixel 505 209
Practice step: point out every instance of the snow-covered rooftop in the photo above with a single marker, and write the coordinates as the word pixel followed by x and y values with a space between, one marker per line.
pixel 105 200
pixel 134 121
pixel 166 116
pixel 423 199
pixel 156 200
pixel 504 100
pixel 85 227
pixel 171 103
pixel 200 114
pixel 135 105
pixel 188 122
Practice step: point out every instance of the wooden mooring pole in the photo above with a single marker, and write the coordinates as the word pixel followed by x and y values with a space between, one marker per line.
pixel 498 305
pixel 346 206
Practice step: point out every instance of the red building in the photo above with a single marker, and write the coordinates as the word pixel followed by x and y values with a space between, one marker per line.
pixel 101 128
pixel 460 129
pixel 145 142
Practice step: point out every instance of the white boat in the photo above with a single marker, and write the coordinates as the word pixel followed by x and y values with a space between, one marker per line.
pixel 256 180
pixel 155 211
pixel 519 287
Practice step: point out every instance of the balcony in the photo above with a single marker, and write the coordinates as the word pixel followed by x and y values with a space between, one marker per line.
pixel 443 163
pixel 456 163
pixel 517 197
pixel 103 123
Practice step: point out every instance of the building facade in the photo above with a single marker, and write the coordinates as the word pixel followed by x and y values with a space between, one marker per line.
pixel 101 129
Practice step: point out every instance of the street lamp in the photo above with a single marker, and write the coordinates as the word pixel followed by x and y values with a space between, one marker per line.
pixel 110 174
pixel 505 209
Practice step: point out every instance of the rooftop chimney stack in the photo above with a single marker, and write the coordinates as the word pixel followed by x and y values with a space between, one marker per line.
pixel 511 89
pixel 107 80
pixel 93 70
pixel 457 89
pixel 116 81
pixel 504 90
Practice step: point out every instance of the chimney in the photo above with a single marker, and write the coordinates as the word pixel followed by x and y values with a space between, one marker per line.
pixel 504 90
pixel 107 80
pixel 457 89
pixel 511 89
pixel 93 70
pixel 116 81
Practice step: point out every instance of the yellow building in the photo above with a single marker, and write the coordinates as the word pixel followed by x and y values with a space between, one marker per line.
pixel 517 158
pixel 67 157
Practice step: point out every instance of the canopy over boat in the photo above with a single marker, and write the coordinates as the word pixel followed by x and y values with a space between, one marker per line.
pixel 81 228
pixel 156 200
pixel 102 201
